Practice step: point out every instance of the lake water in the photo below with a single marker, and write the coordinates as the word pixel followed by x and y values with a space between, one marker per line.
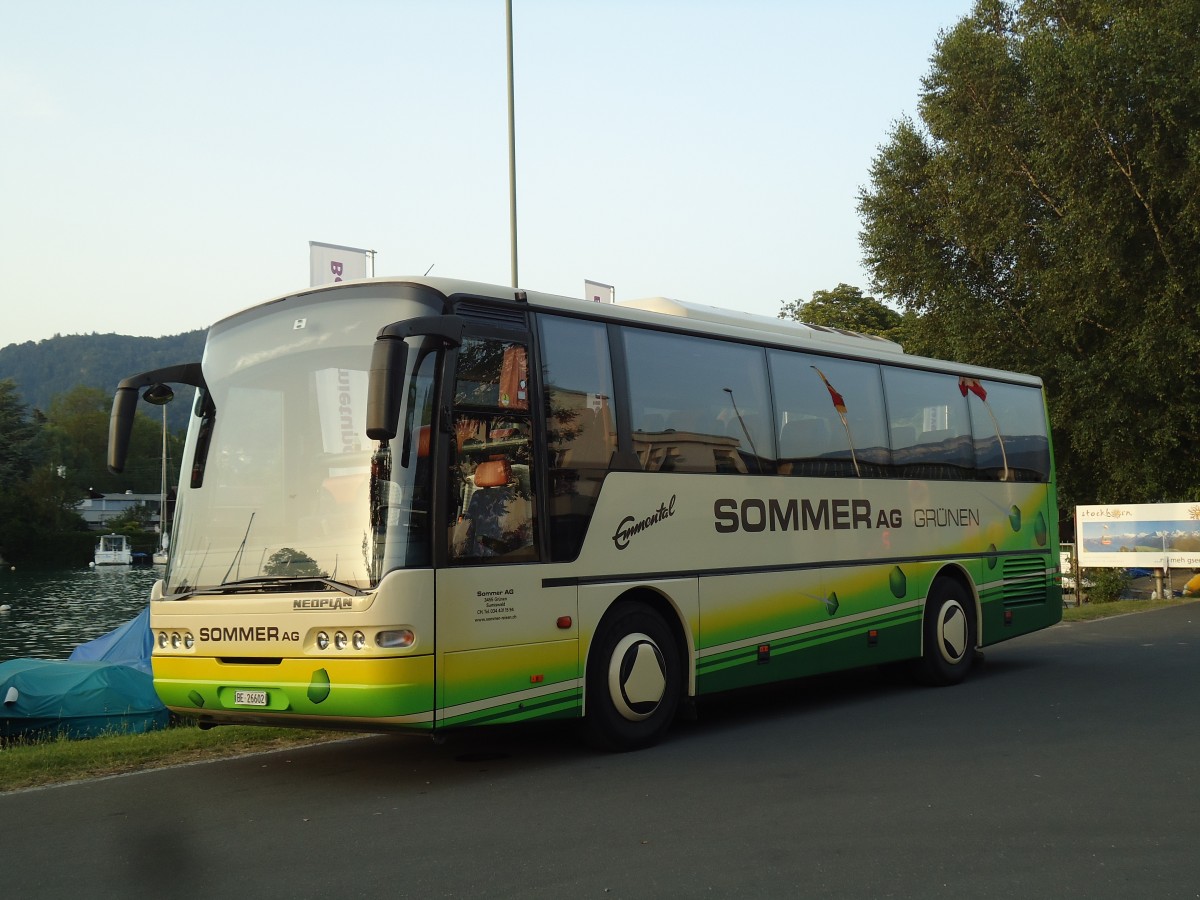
pixel 52 611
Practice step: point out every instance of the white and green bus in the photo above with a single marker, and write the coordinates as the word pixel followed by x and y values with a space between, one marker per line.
pixel 423 504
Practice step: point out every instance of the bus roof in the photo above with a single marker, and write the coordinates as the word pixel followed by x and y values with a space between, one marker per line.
pixel 726 317
pixel 697 317
pixel 697 314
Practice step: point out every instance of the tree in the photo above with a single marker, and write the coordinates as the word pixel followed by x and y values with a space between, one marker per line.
pixel 846 307
pixel 35 501
pixel 48 502
pixel 79 418
pixel 1045 216
pixel 16 462
pixel 131 521
pixel 16 436
pixel 49 461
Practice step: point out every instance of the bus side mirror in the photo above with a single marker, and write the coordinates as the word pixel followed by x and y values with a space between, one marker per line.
pixel 158 394
pixel 120 426
pixel 388 360
pixel 120 422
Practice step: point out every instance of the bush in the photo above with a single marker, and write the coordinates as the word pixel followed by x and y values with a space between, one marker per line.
pixel 1107 585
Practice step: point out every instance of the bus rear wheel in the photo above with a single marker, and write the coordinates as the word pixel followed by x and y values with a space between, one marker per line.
pixel 948 636
pixel 634 680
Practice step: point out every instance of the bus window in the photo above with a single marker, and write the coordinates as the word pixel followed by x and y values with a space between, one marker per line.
pixel 581 434
pixel 1008 426
pixel 929 425
pixel 400 477
pixel 698 405
pixel 492 374
pixel 492 497
pixel 830 416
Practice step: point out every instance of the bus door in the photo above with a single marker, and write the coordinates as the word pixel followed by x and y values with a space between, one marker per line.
pixel 507 646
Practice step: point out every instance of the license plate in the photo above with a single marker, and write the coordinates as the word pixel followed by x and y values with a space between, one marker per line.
pixel 250 698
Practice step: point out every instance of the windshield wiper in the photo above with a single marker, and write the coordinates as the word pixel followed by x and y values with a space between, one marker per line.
pixel 276 583
pixel 237 557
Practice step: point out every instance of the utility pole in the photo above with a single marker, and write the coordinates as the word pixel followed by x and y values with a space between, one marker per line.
pixel 512 149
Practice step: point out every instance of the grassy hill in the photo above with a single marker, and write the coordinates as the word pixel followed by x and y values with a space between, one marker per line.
pixel 43 369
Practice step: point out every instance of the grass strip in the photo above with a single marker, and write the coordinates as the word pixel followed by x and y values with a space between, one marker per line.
pixel 56 760
pixel 1090 611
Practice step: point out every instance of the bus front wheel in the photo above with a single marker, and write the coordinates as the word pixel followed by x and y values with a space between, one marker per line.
pixel 948 637
pixel 634 680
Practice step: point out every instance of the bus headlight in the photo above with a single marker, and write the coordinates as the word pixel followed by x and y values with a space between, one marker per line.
pixel 175 640
pixel 395 640
pixel 360 640
pixel 339 640
pixel 322 641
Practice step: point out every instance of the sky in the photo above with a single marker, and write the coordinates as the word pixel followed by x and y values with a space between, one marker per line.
pixel 165 165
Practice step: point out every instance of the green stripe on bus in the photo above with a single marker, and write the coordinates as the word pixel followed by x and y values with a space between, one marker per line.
pixel 564 705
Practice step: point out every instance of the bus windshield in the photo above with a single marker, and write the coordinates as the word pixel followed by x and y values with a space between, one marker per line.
pixel 280 483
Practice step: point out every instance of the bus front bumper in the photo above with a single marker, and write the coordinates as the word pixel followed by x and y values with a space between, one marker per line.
pixel 370 694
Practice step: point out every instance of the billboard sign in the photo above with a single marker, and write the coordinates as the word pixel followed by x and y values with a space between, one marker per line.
pixel 1139 535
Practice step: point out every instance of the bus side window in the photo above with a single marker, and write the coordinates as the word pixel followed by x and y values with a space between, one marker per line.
pixel 929 423
pixel 497 520
pixel 1008 426
pixel 581 434
pixel 492 495
pixel 713 395
pixel 831 416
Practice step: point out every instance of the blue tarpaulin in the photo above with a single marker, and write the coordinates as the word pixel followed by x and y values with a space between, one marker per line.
pixel 76 699
pixel 129 645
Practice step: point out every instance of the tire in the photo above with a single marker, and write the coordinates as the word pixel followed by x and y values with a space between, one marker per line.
pixel 634 680
pixel 948 634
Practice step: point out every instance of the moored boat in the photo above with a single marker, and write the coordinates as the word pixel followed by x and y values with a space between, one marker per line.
pixel 113 550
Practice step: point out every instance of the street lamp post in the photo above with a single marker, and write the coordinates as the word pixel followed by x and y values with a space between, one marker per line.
pixel 512 149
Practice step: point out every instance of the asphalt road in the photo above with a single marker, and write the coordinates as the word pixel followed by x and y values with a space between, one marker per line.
pixel 1065 767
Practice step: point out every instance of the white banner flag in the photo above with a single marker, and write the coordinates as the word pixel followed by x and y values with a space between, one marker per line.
pixel 330 262
pixel 599 293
